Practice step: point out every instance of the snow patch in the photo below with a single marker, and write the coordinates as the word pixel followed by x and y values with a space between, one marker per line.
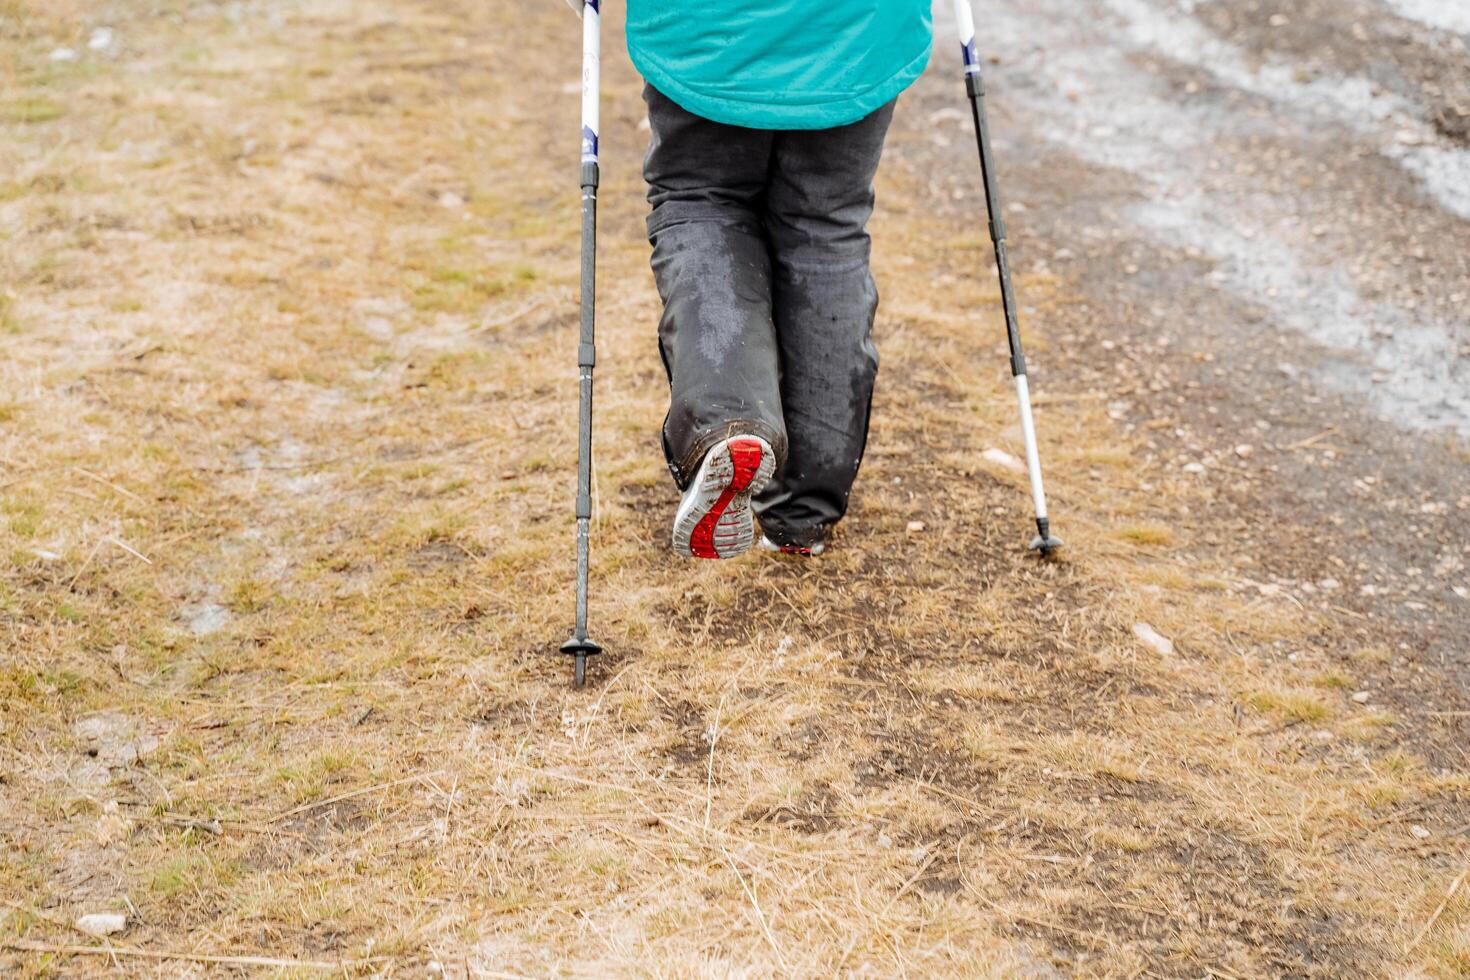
pixel 1445 15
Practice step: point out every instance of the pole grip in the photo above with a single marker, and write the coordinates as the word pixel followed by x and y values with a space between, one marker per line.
pixel 964 22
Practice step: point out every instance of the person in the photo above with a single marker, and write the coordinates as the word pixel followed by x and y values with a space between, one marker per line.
pixel 767 120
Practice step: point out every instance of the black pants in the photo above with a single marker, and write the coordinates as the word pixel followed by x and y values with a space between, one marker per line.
pixel 761 256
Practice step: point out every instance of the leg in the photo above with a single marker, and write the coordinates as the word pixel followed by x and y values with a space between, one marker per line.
pixel 817 209
pixel 712 267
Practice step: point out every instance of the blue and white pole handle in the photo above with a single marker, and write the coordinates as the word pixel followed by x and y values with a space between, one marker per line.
pixel 964 19
pixel 975 87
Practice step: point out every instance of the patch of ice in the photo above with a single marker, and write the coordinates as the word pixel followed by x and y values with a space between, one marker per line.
pixel 1446 15
pixel 1404 136
pixel 1162 141
pixel 1444 171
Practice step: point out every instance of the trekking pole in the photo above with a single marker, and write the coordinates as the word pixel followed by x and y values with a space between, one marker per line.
pixel 579 646
pixel 1045 542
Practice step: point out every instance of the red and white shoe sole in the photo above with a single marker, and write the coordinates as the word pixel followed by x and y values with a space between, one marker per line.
pixel 714 518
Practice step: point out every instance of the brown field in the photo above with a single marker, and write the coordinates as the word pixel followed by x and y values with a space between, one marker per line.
pixel 287 441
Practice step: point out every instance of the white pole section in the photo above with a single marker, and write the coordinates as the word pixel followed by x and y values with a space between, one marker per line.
pixel 1033 458
pixel 591 78
pixel 964 19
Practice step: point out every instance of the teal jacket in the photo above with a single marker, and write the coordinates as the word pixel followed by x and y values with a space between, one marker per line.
pixel 780 64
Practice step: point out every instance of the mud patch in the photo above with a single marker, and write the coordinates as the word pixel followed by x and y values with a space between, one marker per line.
pixel 816 811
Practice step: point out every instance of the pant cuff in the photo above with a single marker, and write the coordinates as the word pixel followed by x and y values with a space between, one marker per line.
pixel 795 537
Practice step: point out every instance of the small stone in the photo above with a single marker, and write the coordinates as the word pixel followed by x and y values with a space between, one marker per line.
pixel 1419 832
pixel 1003 459
pixel 644 126
pixel 915 527
pixel 101 39
pixel 63 54
pixel 1152 639
pixel 1195 468
pixel 1245 451
pixel 449 199
pixel 102 923
pixel 1362 697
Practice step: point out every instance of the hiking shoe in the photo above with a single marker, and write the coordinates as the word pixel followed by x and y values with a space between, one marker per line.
pixel 714 518
pixel 805 550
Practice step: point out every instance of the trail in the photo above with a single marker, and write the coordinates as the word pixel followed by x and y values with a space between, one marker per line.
pixel 1245 207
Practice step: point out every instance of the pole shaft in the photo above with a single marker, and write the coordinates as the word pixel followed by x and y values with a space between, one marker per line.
pixel 587 342
pixel 975 88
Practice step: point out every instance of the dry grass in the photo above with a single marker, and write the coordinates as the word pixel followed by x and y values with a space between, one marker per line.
pixel 286 440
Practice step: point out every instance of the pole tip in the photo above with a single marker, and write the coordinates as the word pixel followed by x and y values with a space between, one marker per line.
pixel 1045 542
pixel 1046 545
pixel 580 648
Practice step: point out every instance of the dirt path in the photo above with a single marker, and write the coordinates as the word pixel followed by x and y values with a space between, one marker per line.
pixel 1301 207
pixel 286 436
